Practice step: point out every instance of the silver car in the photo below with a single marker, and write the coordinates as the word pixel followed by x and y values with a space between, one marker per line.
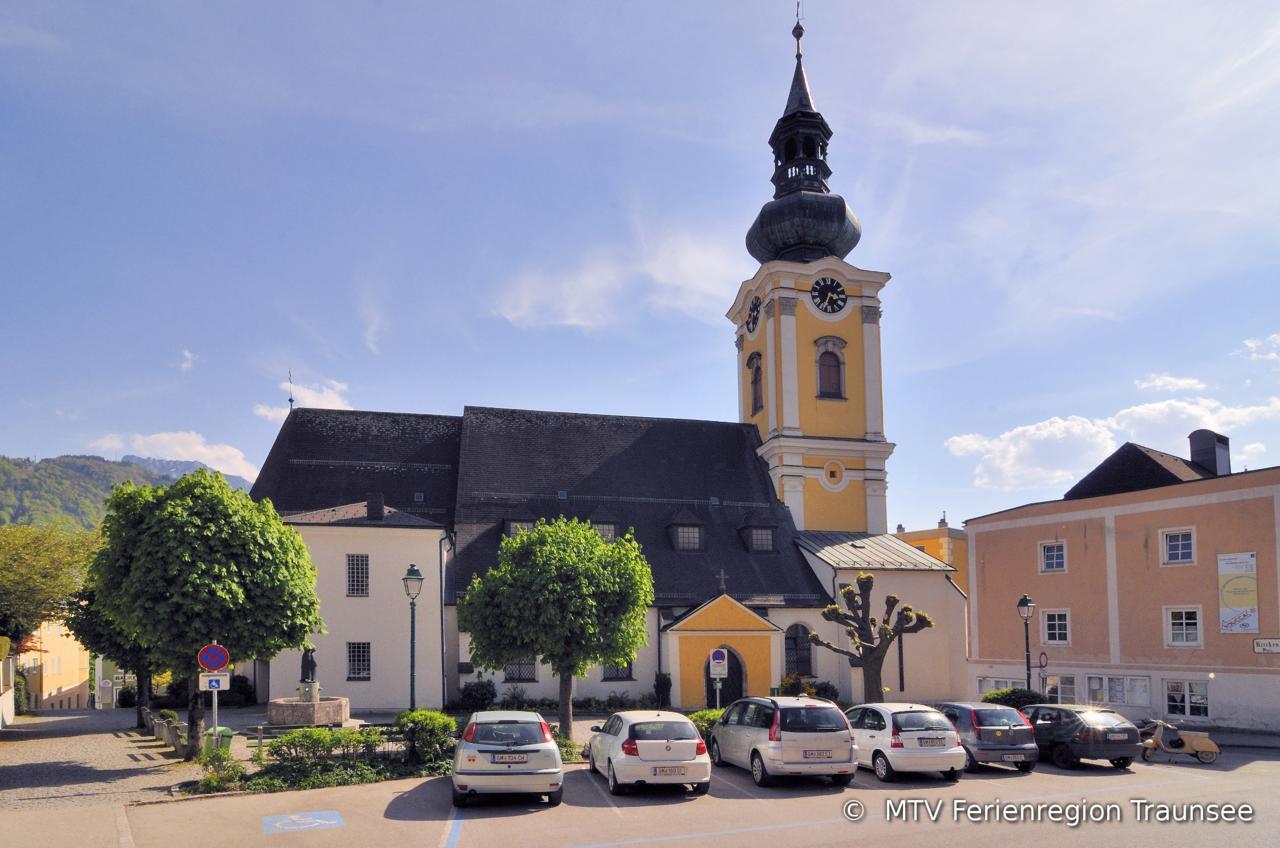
pixel 788 736
pixel 505 751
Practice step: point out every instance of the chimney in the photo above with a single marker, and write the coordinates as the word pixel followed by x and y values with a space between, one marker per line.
pixel 900 529
pixel 1211 451
pixel 375 505
pixel 942 522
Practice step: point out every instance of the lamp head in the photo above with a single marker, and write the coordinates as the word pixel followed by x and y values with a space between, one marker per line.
pixel 1026 607
pixel 413 580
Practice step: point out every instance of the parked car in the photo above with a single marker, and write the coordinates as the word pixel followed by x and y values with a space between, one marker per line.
pixel 506 751
pixel 905 737
pixel 785 736
pixel 993 733
pixel 642 747
pixel 1069 733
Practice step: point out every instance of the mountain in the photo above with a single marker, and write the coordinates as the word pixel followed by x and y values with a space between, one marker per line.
pixel 75 488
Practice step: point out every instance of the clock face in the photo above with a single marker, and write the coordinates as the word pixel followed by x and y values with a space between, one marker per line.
pixel 753 315
pixel 828 295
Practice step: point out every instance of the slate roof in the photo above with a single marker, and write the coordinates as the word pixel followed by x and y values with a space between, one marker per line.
pixel 649 473
pixel 1132 468
pixel 357 515
pixel 867 551
pixel 325 457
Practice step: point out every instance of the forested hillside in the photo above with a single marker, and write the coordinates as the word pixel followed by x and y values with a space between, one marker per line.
pixel 63 488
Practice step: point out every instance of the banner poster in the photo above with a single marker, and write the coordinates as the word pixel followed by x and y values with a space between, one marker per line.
pixel 1238 593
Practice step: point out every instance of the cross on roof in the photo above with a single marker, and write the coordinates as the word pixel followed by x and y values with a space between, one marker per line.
pixel 723 577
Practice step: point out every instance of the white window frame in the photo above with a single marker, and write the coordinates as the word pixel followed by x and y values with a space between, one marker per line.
pixel 766 535
pixel 1057 699
pixel 1044 628
pixel 1040 548
pixel 1126 685
pixel 998 683
pixel 682 536
pixel 1164 546
pixel 1167 613
pixel 1186 694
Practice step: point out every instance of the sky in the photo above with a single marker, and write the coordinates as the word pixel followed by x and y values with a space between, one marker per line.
pixel 417 207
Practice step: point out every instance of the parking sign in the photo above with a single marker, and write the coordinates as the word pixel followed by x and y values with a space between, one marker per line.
pixel 719 663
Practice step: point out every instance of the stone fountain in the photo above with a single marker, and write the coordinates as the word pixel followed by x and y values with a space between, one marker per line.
pixel 310 707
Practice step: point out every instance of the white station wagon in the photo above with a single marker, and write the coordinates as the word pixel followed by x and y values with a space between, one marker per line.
pixel 641 747
pixel 786 736
pixel 505 751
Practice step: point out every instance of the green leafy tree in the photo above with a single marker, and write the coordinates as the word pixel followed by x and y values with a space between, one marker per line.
pixel 100 635
pixel 40 567
pixel 870 638
pixel 197 562
pixel 561 594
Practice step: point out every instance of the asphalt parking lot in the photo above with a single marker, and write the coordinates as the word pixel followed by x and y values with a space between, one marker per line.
pixel 735 813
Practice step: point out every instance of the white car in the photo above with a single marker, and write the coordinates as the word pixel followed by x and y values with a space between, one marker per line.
pixel 905 737
pixel 505 751
pixel 785 736
pixel 642 747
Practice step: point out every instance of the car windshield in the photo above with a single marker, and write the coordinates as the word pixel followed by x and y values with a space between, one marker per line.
pixel 920 720
pixel 811 720
pixel 644 731
pixel 508 733
pixel 997 718
pixel 1103 719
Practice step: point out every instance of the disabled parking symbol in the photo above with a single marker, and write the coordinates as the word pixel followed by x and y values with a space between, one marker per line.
pixel 322 820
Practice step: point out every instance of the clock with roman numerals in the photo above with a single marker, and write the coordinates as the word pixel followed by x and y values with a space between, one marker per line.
pixel 753 315
pixel 828 295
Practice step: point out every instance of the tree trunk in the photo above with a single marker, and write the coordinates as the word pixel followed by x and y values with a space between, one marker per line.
pixel 144 696
pixel 195 722
pixel 566 704
pixel 872 687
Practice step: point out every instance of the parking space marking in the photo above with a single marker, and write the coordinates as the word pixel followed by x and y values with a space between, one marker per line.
pixel 591 778
pixel 452 828
pixel 711 834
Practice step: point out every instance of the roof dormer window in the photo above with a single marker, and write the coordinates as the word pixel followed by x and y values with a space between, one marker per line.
pixel 607 529
pixel 688 537
pixel 514 527
pixel 760 539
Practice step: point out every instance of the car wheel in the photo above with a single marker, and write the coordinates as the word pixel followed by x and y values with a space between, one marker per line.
pixel 1122 762
pixel 459 798
pixel 554 798
pixel 615 788
pixel 586 755
pixel 1063 758
pixel 884 771
pixel 970 764
pixel 1026 767
pixel 1148 754
pixel 759 773
pixel 951 775
pixel 842 779
pixel 1207 757
pixel 716 759
pixel 701 788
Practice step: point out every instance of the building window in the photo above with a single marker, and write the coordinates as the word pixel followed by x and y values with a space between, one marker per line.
pixel 1182 627
pixel 1057 627
pixel 991 684
pixel 688 537
pixel 761 538
pixel 757 387
pixel 1188 698
pixel 357 575
pixel 799 651
pixel 607 531
pixel 1120 690
pixel 618 671
pixel 521 671
pixel 1060 688
pixel 514 527
pixel 1053 556
pixel 1178 547
pixel 830 378
pixel 359 661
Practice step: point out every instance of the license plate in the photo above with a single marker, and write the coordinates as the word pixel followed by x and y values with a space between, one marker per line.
pixel 931 743
pixel 511 758
pixel 1014 758
pixel 668 771
pixel 817 755
pixel 1119 737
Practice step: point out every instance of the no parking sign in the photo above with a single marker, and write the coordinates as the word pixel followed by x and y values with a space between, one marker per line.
pixel 719 663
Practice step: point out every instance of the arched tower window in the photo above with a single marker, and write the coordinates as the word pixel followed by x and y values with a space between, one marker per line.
pixel 830 367
pixel 799 651
pixel 757 383
pixel 810 149
pixel 789 150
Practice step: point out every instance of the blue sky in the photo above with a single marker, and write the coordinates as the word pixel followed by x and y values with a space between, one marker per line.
pixel 543 205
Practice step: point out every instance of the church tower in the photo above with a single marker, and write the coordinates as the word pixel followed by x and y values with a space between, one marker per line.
pixel 808 336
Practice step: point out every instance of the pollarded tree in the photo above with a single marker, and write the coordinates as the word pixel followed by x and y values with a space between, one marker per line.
pixel 563 595
pixel 196 562
pixel 869 638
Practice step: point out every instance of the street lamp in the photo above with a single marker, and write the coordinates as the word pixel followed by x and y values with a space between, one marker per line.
pixel 1026 609
pixel 413 587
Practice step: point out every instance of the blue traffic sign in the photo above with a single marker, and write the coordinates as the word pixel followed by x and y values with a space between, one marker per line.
pixel 213 658
pixel 322 820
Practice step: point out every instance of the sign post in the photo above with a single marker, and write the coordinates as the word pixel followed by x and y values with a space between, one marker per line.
pixel 214 658
pixel 719 664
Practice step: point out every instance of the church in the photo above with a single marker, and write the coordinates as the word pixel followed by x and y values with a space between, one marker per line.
pixel 751 527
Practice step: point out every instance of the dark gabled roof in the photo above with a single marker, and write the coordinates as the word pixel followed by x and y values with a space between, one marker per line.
pixel 357 515
pixel 324 457
pixel 1132 468
pixel 646 471
pixel 866 551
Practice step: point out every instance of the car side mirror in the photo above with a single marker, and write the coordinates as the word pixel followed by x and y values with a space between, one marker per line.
pixel 595 728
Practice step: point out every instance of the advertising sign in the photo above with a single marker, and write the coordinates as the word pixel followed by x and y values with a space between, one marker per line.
pixel 1238 593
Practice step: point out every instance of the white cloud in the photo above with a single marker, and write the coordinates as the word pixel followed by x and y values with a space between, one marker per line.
pixel 1252 451
pixel 1163 382
pixel 329 394
pixel 184 445
pixel 374 323
pixel 188 361
pixel 585 296
pixel 1046 453
pixel 1265 349
pixel 1165 420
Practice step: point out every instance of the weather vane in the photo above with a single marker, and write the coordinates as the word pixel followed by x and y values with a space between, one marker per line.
pixel 291 390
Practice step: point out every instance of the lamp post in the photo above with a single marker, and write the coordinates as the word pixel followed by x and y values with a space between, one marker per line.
pixel 412 587
pixel 1026 609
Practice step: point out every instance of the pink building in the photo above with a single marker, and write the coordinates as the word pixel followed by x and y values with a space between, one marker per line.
pixel 1156 589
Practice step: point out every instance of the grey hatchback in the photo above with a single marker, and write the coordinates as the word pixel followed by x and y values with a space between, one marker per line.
pixel 993 733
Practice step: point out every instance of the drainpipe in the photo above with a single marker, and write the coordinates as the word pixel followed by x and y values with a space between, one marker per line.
pixel 444 648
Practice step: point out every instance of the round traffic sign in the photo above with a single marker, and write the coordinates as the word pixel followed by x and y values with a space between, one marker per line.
pixel 213 658
pixel 1044 660
pixel 719 655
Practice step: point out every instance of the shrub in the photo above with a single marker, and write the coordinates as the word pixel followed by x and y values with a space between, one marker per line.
pixel 126 696
pixel 826 689
pixel 305 747
pixel 221 771
pixel 179 690
pixel 515 698
pixel 548 706
pixel 704 719
pixel 20 693
pixel 265 783
pixel 167 715
pixel 230 699
pixel 1016 698
pixel 347 742
pixel 794 684
pixel 371 740
pixel 588 705
pixel 427 734
pixel 662 689
pixel 619 701
pixel 242 686
pixel 569 750
pixel 478 695
pixel 646 701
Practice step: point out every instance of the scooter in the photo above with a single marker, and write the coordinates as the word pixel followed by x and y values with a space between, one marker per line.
pixel 1159 735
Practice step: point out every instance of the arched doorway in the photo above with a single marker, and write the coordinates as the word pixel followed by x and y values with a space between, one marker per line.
pixel 731 687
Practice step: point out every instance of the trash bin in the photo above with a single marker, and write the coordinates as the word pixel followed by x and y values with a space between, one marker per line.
pixel 219 737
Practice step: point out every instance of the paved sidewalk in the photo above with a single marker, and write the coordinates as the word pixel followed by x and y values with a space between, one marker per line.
pixel 79 758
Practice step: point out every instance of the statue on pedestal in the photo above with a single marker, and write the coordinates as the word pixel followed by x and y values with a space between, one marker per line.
pixel 308 666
